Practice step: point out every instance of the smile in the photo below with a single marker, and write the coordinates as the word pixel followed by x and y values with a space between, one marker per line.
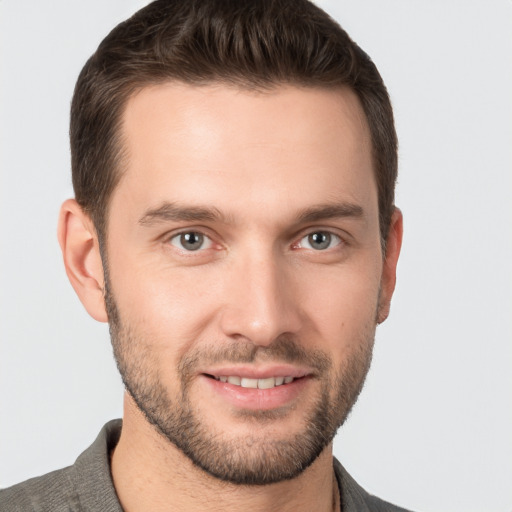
pixel 258 389
pixel 244 382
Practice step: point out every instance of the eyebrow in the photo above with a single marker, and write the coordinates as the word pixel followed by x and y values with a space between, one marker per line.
pixel 331 211
pixel 173 212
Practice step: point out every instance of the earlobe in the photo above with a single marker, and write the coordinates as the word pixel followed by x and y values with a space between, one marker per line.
pixel 388 281
pixel 80 250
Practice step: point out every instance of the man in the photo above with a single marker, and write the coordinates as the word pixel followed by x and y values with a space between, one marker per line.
pixel 234 166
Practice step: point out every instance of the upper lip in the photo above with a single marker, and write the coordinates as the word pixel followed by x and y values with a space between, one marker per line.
pixel 259 372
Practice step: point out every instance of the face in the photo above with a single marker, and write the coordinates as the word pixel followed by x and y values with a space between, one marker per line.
pixel 244 271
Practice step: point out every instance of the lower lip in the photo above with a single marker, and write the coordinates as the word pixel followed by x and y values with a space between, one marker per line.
pixel 257 399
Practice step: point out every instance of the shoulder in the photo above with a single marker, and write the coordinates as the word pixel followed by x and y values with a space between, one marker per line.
pixel 54 491
pixel 86 485
pixel 355 499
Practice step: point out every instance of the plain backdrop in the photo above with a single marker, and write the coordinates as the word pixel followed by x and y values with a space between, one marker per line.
pixel 432 430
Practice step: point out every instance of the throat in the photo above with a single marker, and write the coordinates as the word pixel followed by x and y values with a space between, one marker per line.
pixel 150 473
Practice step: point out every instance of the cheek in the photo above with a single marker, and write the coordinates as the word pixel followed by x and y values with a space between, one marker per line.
pixel 343 305
pixel 168 308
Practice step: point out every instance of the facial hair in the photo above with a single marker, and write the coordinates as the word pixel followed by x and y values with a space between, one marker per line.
pixel 242 459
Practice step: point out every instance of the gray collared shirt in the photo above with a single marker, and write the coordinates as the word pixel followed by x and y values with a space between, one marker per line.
pixel 87 485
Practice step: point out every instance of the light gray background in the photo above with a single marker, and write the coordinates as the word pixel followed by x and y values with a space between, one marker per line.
pixel 432 430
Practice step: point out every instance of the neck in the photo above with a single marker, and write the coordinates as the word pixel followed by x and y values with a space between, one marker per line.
pixel 150 473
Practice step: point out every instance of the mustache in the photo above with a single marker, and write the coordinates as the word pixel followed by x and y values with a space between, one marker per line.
pixel 284 349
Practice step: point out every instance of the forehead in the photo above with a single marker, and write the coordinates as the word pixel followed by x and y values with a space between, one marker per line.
pixel 231 147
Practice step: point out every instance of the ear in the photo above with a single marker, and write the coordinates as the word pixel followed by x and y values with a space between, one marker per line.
pixel 388 280
pixel 80 249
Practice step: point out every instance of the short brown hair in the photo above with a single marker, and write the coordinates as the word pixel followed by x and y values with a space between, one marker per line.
pixel 255 44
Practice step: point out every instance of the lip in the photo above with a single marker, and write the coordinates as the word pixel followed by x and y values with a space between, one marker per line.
pixel 255 372
pixel 255 399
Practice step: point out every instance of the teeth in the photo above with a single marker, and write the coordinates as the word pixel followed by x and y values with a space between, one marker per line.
pixel 245 382
pixel 249 383
pixel 266 383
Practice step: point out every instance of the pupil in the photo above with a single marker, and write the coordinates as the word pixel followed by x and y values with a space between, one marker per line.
pixel 320 240
pixel 192 241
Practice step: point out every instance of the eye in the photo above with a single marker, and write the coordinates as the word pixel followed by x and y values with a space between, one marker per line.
pixel 320 240
pixel 191 241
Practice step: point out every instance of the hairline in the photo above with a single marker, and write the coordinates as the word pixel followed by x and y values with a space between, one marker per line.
pixel 120 154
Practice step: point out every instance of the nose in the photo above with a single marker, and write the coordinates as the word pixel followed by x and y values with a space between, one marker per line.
pixel 261 304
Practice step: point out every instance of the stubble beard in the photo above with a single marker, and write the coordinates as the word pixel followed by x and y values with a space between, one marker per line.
pixel 242 460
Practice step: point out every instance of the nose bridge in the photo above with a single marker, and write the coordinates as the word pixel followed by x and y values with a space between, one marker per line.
pixel 261 306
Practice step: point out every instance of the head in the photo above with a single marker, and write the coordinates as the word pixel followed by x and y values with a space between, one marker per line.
pixel 254 45
pixel 234 166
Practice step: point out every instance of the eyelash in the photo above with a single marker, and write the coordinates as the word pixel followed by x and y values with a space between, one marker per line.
pixel 178 240
pixel 331 237
pixel 179 237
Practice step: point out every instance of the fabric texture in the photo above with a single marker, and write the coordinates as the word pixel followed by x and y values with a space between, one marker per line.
pixel 87 485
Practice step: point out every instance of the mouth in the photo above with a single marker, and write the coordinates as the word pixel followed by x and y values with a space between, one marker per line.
pixel 251 383
pixel 257 388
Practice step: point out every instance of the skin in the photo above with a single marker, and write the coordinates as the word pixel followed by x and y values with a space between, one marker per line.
pixel 260 160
